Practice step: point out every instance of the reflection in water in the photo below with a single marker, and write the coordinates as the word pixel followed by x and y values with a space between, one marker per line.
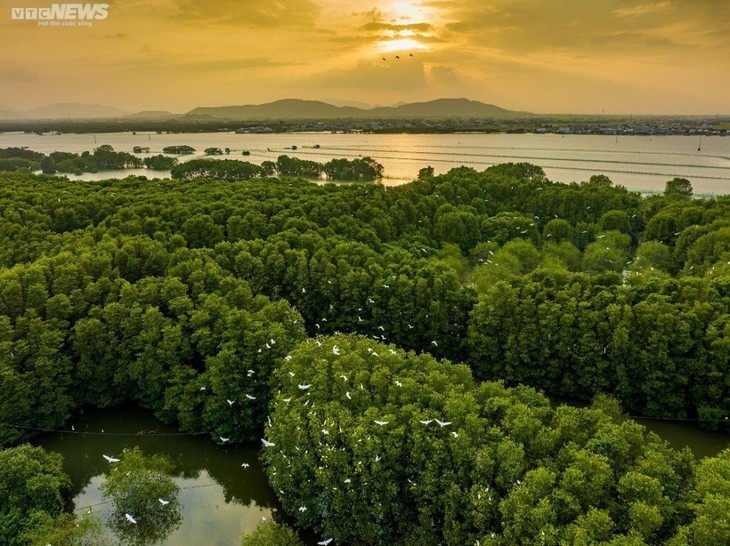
pixel 144 498
pixel 219 500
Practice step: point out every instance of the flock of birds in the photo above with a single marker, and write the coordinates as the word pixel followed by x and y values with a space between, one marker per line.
pixel 397 57
pixel 129 517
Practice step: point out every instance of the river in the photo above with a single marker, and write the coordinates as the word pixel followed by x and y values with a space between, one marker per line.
pixel 220 500
pixel 640 163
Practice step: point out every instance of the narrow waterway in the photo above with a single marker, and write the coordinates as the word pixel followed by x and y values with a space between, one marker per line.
pixel 220 500
pixel 224 493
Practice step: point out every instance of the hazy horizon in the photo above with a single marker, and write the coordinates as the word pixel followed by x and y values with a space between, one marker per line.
pixel 612 57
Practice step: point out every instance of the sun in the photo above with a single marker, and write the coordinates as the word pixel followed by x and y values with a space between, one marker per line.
pixel 409 12
pixel 403 44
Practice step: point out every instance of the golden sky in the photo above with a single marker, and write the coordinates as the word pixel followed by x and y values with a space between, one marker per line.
pixel 547 56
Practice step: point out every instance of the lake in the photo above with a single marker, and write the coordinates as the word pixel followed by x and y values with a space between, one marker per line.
pixel 641 163
pixel 220 500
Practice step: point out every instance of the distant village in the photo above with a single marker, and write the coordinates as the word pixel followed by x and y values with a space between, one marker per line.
pixel 562 125
pixel 647 126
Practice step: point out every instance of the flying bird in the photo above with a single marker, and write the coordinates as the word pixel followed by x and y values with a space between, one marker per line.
pixel 164 502
pixel 130 519
pixel 443 423
pixel 245 465
pixel 325 542
pixel 250 397
pixel 267 443
pixel 336 350
pixel 224 440
pixel 304 386
pixel 111 459
pixel 426 422
pixel 381 423
pixel 230 402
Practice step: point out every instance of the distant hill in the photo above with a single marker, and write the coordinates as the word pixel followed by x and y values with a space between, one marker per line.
pixel 312 109
pixel 280 109
pixel 152 114
pixel 8 113
pixel 73 110
pixel 443 108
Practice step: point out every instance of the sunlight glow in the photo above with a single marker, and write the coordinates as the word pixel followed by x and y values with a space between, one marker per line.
pixel 404 44
pixel 410 11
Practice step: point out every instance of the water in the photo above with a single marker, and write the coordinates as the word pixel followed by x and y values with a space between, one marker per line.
pixel 220 500
pixel 641 163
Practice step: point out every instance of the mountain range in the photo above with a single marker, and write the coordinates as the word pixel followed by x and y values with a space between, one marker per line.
pixel 285 109
pixel 313 109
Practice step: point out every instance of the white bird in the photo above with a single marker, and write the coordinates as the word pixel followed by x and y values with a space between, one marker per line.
pixel 224 440
pixel 272 341
pixel 73 428
pixel 287 400
pixel 291 374
pixel 434 343
pixel 325 542
pixel 304 386
pixel 381 423
pixel 202 388
pixel 391 351
pixel 348 395
pixel 398 384
pixel 371 300
pixel 230 402
pixel 344 377
pixel 111 459
pixel 443 423
pixel 336 350
pixel 302 508
pixel 250 372
pixel 250 397
pixel 455 434
pixel 426 422
pixel 287 358
pixel 267 443
pixel 410 326
pixel 163 502
pixel 381 328
pixel 130 519
pixel 348 480
pixel 244 465
pixel 268 346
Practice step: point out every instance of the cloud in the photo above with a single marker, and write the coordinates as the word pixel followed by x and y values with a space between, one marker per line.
pixel 535 25
pixel 378 26
pixel 390 76
pixel 253 13
pixel 18 75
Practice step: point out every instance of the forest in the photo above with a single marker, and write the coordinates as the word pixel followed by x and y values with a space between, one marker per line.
pixel 105 158
pixel 388 347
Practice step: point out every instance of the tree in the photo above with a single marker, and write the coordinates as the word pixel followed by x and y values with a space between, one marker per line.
pixel 270 533
pixel 32 484
pixel 678 186
pixel 135 486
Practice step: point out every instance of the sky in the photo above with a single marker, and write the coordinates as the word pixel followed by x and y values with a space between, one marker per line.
pixel 543 56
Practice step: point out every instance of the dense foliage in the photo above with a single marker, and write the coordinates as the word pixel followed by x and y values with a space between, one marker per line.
pixel 371 445
pixel 32 487
pixel 185 295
